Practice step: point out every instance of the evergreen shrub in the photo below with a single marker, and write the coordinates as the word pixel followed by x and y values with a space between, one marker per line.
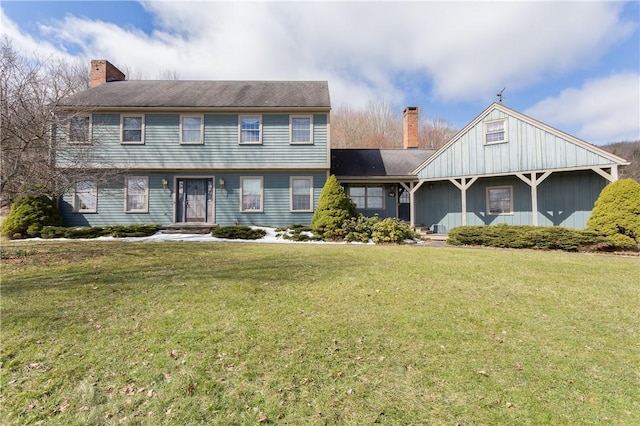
pixel 616 214
pixel 297 232
pixel 334 209
pixel 238 232
pixel 29 214
pixel 360 228
pixel 524 236
pixel 392 230
pixel 117 231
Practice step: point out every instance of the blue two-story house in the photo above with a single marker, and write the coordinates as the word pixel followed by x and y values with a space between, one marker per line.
pixel 177 153
pixel 194 152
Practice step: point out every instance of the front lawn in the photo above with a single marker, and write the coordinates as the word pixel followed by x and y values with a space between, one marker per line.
pixel 243 333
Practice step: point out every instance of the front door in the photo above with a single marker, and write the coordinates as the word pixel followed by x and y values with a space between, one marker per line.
pixel 404 204
pixel 194 203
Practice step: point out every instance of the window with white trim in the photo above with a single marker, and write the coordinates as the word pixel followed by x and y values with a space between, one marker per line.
pixel 496 131
pixel 85 198
pixel 80 129
pixel 250 129
pixel 301 193
pixel 132 129
pixel 191 129
pixel 251 190
pixel 499 200
pixel 136 194
pixel 367 197
pixel 301 129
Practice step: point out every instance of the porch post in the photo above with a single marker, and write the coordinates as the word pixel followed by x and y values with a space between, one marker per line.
pixel 412 204
pixel 463 185
pixel 533 183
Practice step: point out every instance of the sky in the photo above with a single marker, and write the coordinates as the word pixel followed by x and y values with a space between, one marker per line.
pixel 574 65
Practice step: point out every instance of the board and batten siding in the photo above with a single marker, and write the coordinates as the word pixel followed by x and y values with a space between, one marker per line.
pixel 529 148
pixel 220 147
pixel 276 203
pixel 564 199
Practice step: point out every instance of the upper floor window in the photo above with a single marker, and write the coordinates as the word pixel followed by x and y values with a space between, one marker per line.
pixel 85 199
pixel 367 197
pixel 301 129
pixel 80 129
pixel 250 129
pixel 132 129
pixel 496 131
pixel 137 194
pixel 191 129
pixel 251 194
pixel 301 194
pixel 499 200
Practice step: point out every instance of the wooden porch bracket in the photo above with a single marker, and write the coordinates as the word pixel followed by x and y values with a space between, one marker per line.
pixel 611 177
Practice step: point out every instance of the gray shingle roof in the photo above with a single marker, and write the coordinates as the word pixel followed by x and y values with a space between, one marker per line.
pixel 204 94
pixel 377 162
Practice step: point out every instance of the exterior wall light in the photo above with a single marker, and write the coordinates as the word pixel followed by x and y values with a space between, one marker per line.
pixel 165 183
pixel 221 183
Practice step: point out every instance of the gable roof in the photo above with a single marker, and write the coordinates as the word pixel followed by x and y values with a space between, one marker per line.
pixel 532 146
pixel 203 94
pixel 377 162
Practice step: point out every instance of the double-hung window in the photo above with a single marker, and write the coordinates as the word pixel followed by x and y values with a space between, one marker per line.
pixel 251 194
pixel 132 129
pixel 250 129
pixel 301 130
pixel 496 131
pixel 301 194
pixel 191 129
pixel 137 194
pixel 80 129
pixel 367 197
pixel 85 199
pixel 499 200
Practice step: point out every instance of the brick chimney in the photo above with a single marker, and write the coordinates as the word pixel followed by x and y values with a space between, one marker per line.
pixel 102 71
pixel 410 127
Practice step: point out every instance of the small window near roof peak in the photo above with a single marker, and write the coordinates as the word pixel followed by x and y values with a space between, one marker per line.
pixel 496 131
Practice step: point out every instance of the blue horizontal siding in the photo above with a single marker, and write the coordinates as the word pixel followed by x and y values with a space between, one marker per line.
pixel 276 202
pixel 220 147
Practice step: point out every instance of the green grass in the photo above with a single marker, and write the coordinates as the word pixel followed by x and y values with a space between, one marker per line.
pixel 224 333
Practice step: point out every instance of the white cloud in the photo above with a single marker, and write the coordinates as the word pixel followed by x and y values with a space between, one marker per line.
pixel 366 50
pixel 604 110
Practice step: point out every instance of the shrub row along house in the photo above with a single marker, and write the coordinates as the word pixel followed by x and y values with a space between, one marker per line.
pixel 258 153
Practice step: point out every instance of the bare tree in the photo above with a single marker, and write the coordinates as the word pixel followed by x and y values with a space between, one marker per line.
pixel 30 93
pixel 378 126
pixel 435 132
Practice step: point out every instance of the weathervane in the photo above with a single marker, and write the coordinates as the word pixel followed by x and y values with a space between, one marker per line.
pixel 499 95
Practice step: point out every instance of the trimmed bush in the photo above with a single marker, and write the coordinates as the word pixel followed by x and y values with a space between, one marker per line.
pixel 29 214
pixel 616 214
pixel 531 237
pixel 392 230
pixel 297 233
pixel 117 231
pixel 360 229
pixel 238 232
pixel 334 209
